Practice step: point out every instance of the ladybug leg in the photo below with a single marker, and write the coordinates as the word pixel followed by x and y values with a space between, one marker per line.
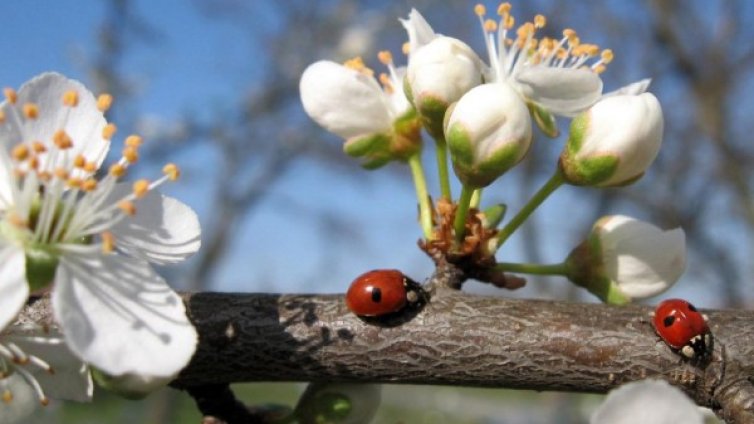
pixel 688 351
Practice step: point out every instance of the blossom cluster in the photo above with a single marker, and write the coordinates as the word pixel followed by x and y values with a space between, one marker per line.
pixel 482 113
pixel 74 229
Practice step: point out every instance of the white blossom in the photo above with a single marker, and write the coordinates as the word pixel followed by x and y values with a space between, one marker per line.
pixel 647 402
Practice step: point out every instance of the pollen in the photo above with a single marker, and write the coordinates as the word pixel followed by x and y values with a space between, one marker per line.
pixel 61 173
pixel 504 9
pixel 117 170
pixel 490 25
pixel 134 141
pixel 38 147
pixel 89 185
pixel 607 56
pixel 7 396
pixel 74 183
pixel 406 48
pixel 10 95
pixel 71 98
pixel 387 83
pixel 2 116
pixel 79 161
pixel 131 154
pixel 127 207
pixel 172 171
pixel 108 242
pixel 17 221
pixel 109 131
pixel 90 167
pixel 480 10
pixel 140 188
pixel 62 140
pixel 385 57
pixel 509 21
pixel 357 64
pixel 20 152
pixel 540 21
pixel 104 101
pixel 31 110
pixel 33 162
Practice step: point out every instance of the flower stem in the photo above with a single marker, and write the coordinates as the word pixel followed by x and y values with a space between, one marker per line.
pixel 459 224
pixel 545 191
pixel 422 195
pixel 442 167
pixel 476 198
pixel 536 269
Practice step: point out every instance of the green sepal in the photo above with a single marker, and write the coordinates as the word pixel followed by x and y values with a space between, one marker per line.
pixel 589 171
pixel 366 145
pixel 110 384
pixel 585 268
pixel 471 171
pixel 493 215
pixel 432 111
pixel 41 264
pixel 375 162
pixel 407 139
pixel 544 120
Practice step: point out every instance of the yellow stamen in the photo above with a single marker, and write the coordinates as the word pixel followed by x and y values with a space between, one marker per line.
pixel 540 21
pixel 79 161
pixel 385 57
pixel 7 396
pixel 74 182
pixel 117 170
pixel 33 162
pixel 31 110
pixel 504 9
pixel 509 22
pixel 62 140
pixel 71 98
pixel 357 64
pixel 490 25
pixel 134 141
pixel 480 10
pixel 90 167
pixel 10 95
pixel 599 69
pixel 385 81
pixel 61 173
pixel 607 56
pixel 131 154
pixel 44 176
pixel 406 48
pixel 2 116
pixel 89 184
pixel 16 220
pixel 172 171
pixel 108 242
pixel 20 152
pixel 109 131
pixel 127 207
pixel 140 188
pixel 104 101
pixel 38 147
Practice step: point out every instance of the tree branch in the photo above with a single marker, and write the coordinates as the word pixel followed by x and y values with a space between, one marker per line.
pixel 460 339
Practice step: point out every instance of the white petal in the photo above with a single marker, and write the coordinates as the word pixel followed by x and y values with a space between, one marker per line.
pixel 647 402
pixel 121 317
pixel 13 287
pixel 343 101
pixel 418 29
pixel 70 380
pixel 164 230
pixel 635 88
pixel 562 91
pixel 643 259
pixel 24 403
pixel 83 123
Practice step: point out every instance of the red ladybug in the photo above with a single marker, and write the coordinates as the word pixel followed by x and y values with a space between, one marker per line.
pixel 682 327
pixel 380 292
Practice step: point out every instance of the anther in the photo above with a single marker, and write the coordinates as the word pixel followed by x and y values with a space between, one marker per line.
pixel 406 48
pixel 44 401
pixel 90 167
pixel 20 152
pixel 33 162
pixel 108 242
pixel 490 25
pixel 61 173
pixel 7 396
pixel 357 64
pixel 117 170
pixel 89 185
pixel 606 56
pixel 510 22
pixel 79 161
pixel 10 95
pixel 172 171
pixel 2 116
pixel 31 110
pixel 104 101
pixel 74 182
pixel 127 207
pixel 140 188
pixel 480 10
pixel 38 147
pixel 540 21
pixel 134 141
pixel 71 98
pixel 385 57
pixel 386 82
pixel 504 9
pixel 109 131
pixel 62 140
pixel 130 154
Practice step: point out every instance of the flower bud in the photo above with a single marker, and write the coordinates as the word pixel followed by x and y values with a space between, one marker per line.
pixel 647 401
pixel 488 131
pixel 438 74
pixel 614 142
pixel 624 258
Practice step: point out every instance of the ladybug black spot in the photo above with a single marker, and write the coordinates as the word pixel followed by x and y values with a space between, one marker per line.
pixel 668 321
pixel 376 295
pixel 692 308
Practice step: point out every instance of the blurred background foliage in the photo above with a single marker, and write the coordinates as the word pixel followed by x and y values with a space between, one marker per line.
pixel 213 86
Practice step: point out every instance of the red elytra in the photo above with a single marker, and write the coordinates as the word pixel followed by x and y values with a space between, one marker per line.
pixel 678 323
pixel 377 292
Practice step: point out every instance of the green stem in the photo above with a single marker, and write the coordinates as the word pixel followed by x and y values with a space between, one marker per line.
pixel 459 225
pixel 476 198
pixel 536 269
pixel 422 195
pixel 442 167
pixel 545 191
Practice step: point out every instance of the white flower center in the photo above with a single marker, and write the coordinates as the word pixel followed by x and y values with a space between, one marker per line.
pixel 509 55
